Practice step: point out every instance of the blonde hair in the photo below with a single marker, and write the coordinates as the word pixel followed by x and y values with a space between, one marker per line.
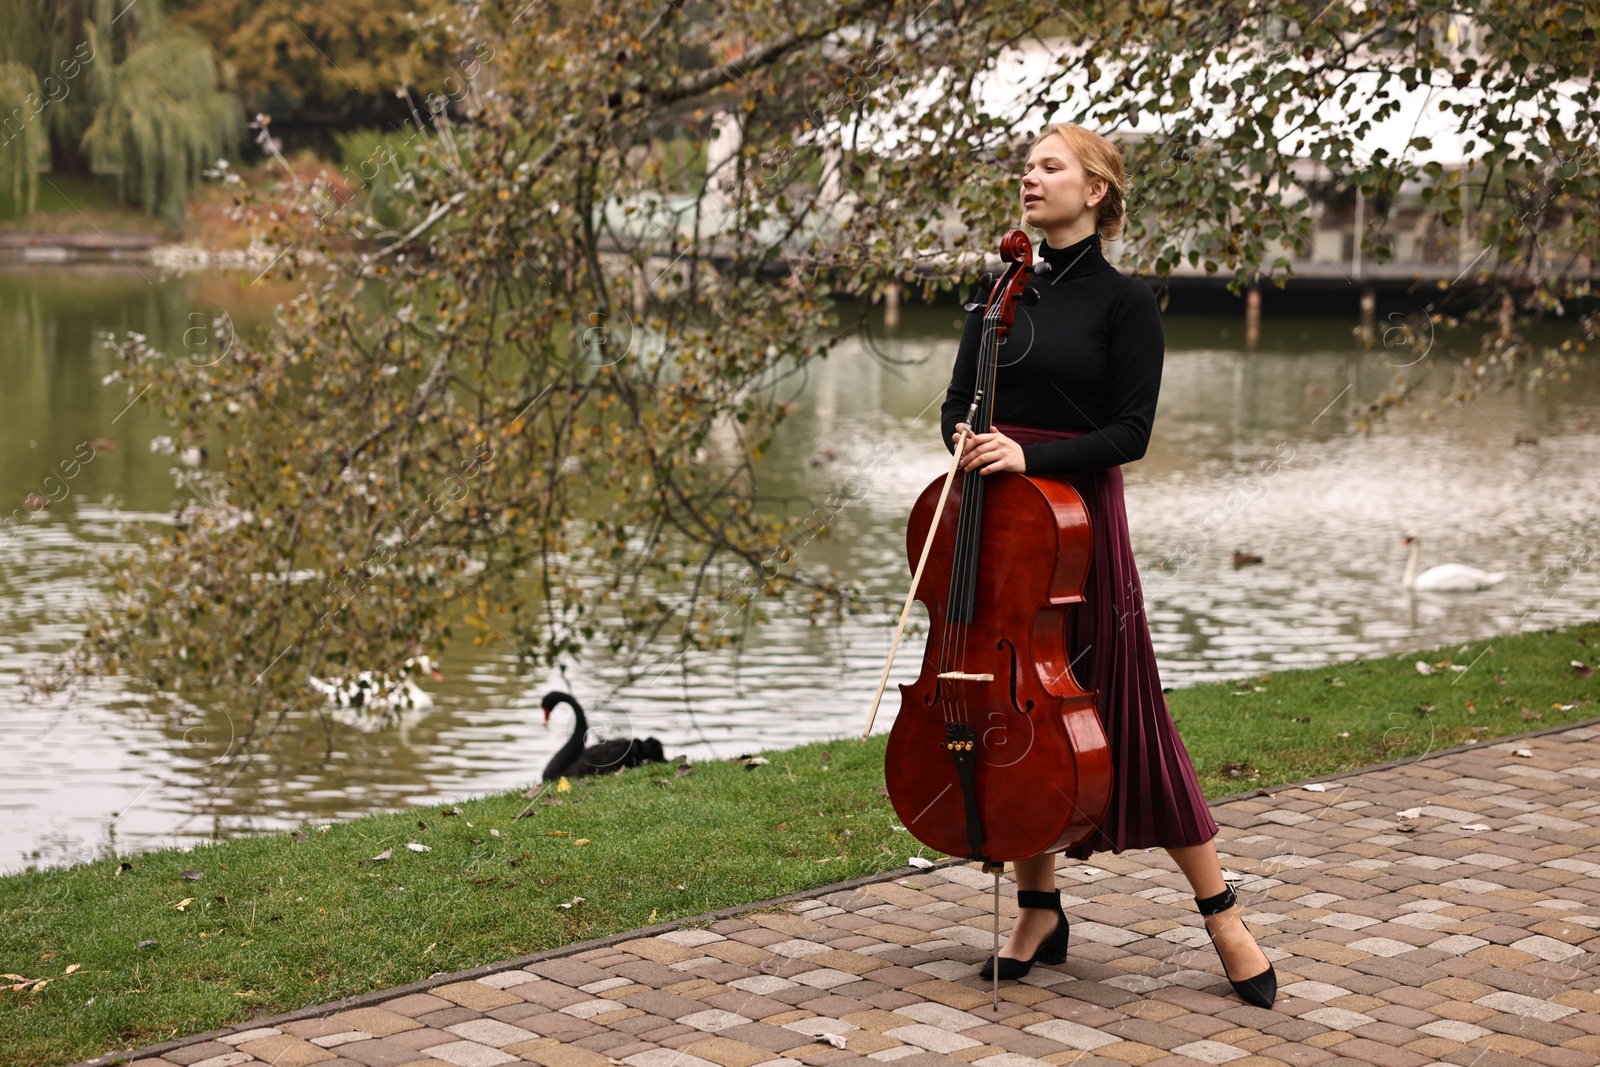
pixel 1100 159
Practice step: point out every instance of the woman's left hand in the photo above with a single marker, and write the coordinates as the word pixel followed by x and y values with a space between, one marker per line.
pixel 991 452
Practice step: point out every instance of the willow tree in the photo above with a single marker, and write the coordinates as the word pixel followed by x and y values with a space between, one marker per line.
pixel 113 89
pixel 21 138
pixel 536 409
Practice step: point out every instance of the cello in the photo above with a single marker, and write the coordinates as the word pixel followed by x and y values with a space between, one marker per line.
pixel 997 753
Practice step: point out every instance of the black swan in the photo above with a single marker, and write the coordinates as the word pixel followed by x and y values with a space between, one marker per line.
pixel 575 761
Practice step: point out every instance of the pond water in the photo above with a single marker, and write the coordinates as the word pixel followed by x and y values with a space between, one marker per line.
pixel 1252 451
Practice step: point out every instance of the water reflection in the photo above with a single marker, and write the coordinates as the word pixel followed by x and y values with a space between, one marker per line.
pixel 1251 453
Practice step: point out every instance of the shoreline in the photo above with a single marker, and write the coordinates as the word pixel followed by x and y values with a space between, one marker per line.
pixel 170 941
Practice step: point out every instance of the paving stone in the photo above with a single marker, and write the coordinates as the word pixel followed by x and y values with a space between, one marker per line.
pixel 416 1004
pixel 490 1032
pixel 448 1017
pixel 425 1038
pixel 192 1054
pixel 284 1050
pixel 471 1054
pixel 774 1039
pixel 379 1053
pixel 476 995
pixel 559 1055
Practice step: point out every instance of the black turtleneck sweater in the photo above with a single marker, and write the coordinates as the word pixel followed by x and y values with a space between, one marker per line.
pixel 1086 357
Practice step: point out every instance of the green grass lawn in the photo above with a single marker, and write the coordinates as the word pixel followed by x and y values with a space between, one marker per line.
pixel 282 921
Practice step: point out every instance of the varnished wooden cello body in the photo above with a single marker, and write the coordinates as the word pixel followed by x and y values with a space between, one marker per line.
pixel 997 753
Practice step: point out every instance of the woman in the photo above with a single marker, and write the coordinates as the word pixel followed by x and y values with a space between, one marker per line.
pixel 1075 395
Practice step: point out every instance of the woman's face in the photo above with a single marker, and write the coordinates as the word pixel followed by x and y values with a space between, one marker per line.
pixel 1056 193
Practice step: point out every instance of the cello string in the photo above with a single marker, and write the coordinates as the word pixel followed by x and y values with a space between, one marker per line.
pixel 948 639
pixel 971 517
pixel 974 553
pixel 949 656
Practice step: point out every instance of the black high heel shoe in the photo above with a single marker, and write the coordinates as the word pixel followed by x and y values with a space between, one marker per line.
pixel 1051 950
pixel 1260 989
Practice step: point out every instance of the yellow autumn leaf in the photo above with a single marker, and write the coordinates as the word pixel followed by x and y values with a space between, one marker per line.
pixel 184 903
pixel 563 786
pixel 72 967
pixel 555 833
pixel 581 841
pixel 652 916
pixel 40 984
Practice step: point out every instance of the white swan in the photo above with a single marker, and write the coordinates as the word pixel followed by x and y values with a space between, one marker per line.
pixel 1446 577
pixel 372 700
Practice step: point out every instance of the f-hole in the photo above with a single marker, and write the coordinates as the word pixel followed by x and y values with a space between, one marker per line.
pixel 1009 647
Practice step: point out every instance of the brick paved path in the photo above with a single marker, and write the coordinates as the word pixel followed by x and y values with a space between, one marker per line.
pixel 1466 933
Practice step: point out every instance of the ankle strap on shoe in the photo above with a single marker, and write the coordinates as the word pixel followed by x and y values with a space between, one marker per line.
pixel 1038 898
pixel 1211 905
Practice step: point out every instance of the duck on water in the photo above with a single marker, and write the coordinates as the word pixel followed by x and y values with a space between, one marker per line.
pixel 371 700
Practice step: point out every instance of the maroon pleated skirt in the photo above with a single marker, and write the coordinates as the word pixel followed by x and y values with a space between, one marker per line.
pixel 1155 797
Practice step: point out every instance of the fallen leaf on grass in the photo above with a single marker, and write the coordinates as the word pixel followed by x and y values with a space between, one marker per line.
pixel 296 836
pixel 570 903
pixel 652 916
pixel 581 841
pixel 1423 667
pixel 1582 669
pixel 918 861
pixel 71 967
pixel 555 833
pixel 385 854
pixel 563 786
pixel 415 847
pixel 682 770
pixel 752 762
pixel 184 903
pixel 1529 713
pixel 533 794
pixel 1563 707
pixel 191 876
pixel 147 944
